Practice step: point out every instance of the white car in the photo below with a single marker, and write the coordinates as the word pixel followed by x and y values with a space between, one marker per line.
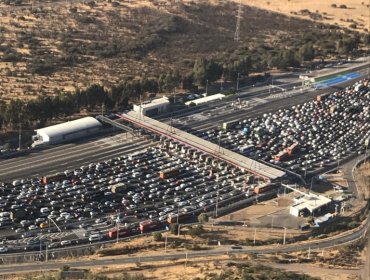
pixel 3 249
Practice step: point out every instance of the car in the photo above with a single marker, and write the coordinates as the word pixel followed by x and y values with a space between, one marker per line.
pixel 3 249
pixel 66 242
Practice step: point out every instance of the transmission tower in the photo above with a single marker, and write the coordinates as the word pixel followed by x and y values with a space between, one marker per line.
pixel 238 18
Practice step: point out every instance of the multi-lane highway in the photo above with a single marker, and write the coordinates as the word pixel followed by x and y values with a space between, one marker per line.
pixel 305 246
pixel 254 101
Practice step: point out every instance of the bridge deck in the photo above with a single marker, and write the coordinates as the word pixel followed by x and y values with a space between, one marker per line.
pixel 202 145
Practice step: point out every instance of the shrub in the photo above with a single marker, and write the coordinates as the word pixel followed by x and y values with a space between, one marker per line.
pixel 157 236
pixel 343 6
pixel 333 5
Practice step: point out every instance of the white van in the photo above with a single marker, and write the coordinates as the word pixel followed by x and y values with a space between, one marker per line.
pixel 95 237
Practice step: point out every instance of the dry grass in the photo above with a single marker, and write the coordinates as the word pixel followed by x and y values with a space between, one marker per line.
pixel 202 30
pixel 357 10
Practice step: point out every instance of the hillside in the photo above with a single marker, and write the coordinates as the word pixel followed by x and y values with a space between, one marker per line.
pixel 61 47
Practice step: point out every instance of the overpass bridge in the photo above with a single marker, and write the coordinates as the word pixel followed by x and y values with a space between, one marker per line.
pixel 201 145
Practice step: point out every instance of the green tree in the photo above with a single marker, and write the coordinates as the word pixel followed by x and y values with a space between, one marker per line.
pixel 157 236
pixel 202 218
pixel 196 231
pixel 174 228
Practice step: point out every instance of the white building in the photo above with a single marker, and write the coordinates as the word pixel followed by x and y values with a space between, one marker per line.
pixel 218 96
pixel 309 204
pixel 153 107
pixel 66 131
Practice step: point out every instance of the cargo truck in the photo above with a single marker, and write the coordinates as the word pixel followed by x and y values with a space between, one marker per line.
pixel 281 156
pixel 263 188
pixel 149 225
pixel 292 148
pixel 171 219
pixel 122 232
pixel 53 178
pixel 167 173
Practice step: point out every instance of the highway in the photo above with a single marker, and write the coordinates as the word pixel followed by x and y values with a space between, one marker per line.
pixel 69 156
pixel 224 250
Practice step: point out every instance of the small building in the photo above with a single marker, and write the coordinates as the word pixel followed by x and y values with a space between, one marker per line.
pixel 67 131
pixel 153 107
pixel 310 204
pixel 218 96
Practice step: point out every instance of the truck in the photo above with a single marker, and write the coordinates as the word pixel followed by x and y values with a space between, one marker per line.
pixel 172 219
pixel 167 173
pixel 149 225
pixel 281 156
pixel 263 188
pixel 122 232
pixel 118 188
pixel 292 148
pixel 53 178
pixel 247 149
pixel 230 124
pixel 92 195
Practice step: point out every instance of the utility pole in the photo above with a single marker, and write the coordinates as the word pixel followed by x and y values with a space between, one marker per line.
pixel 238 18
pixel 254 237
pixel 218 194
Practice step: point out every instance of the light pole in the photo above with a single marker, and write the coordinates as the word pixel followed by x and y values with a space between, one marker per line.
pixel 218 194
pixel 207 88
pixel 284 236
pixel 117 225
pixel 254 237
pixel 237 82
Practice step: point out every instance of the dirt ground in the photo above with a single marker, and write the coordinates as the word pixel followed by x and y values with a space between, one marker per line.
pixel 356 12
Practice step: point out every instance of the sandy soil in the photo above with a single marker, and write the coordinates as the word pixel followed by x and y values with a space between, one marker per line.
pixel 356 10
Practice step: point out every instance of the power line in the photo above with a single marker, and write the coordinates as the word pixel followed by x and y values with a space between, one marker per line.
pixel 238 18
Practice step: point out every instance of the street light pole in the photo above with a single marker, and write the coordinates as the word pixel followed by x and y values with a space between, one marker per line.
pixel 237 82
pixel 284 235
pixel 218 195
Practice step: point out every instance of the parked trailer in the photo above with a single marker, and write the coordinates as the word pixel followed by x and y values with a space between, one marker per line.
pixel 122 232
pixel 149 225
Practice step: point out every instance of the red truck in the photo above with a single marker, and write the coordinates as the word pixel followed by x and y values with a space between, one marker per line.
pixel 281 156
pixel 149 225
pixel 122 232
pixel 292 148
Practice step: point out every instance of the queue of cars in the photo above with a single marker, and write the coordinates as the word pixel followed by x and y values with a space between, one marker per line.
pixel 131 187
pixel 304 137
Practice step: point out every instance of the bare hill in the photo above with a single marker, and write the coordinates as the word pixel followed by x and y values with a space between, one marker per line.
pixel 53 46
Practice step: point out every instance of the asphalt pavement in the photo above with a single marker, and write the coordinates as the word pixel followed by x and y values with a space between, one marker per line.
pixel 224 250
